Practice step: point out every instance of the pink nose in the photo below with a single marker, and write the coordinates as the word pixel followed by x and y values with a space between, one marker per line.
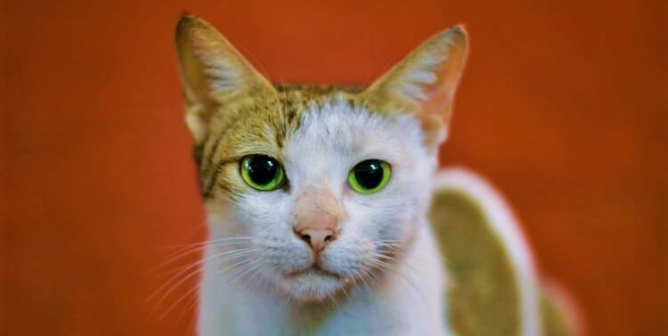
pixel 317 238
pixel 317 217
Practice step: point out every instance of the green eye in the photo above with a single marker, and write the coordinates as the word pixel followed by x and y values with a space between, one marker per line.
pixel 262 172
pixel 369 176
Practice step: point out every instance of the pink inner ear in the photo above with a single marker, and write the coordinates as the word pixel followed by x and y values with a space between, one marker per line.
pixel 435 112
pixel 437 102
pixel 440 94
pixel 434 129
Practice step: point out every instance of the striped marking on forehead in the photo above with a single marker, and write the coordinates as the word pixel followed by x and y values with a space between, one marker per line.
pixel 259 126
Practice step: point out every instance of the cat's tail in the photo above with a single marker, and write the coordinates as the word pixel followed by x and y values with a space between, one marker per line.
pixel 493 286
pixel 561 315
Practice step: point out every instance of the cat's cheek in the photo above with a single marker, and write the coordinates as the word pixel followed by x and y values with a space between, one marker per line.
pixel 285 260
pixel 348 257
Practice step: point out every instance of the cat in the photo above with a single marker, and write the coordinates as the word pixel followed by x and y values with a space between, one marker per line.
pixel 319 201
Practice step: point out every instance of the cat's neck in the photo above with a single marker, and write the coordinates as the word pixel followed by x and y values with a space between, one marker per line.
pixel 399 302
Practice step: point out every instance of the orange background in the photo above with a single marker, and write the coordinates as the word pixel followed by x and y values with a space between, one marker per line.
pixel 563 106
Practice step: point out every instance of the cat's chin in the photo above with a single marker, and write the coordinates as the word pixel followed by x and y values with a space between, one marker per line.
pixel 312 285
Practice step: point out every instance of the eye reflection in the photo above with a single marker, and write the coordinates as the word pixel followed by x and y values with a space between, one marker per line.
pixel 369 176
pixel 262 172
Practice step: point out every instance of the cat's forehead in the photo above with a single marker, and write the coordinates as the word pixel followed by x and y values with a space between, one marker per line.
pixel 339 126
pixel 296 101
pixel 304 118
pixel 314 132
pixel 337 134
pixel 306 127
pixel 316 92
pixel 260 124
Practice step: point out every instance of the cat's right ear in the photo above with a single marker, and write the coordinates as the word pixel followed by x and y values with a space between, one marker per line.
pixel 214 75
pixel 423 84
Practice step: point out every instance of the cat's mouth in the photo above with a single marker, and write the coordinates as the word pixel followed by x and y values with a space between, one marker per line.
pixel 312 283
pixel 314 270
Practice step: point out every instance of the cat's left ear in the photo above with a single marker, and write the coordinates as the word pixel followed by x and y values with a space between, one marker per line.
pixel 423 84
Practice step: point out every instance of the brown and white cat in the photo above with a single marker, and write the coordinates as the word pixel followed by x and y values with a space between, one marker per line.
pixel 318 203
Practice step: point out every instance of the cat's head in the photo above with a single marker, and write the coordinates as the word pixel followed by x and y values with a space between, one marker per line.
pixel 314 189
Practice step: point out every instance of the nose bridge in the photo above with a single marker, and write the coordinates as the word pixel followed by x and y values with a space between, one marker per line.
pixel 317 208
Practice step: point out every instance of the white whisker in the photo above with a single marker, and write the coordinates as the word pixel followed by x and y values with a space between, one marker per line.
pixel 228 254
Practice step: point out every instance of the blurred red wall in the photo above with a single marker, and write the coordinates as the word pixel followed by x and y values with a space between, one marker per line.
pixel 563 105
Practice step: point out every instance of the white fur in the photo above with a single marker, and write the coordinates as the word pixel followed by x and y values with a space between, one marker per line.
pixel 408 300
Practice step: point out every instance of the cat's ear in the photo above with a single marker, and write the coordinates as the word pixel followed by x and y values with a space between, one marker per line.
pixel 214 74
pixel 423 83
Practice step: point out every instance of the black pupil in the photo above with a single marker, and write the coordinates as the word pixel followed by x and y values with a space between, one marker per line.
pixel 369 173
pixel 262 169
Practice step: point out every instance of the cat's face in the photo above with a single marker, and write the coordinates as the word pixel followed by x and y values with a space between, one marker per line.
pixel 314 190
pixel 317 159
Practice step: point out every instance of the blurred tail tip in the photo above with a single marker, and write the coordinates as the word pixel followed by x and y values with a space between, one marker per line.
pixel 567 305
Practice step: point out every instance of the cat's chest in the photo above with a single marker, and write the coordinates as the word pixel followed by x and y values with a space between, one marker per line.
pixel 352 320
pixel 374 321
pixel 395 313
